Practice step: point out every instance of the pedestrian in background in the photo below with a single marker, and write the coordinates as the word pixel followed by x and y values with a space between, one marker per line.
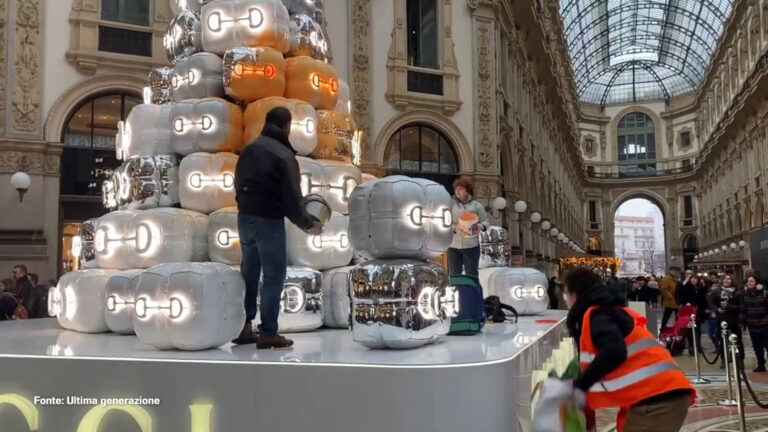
pixel 754 317
pixel 668 290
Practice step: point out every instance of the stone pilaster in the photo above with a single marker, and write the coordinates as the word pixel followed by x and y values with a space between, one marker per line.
pixel 361 75
pixel 486 133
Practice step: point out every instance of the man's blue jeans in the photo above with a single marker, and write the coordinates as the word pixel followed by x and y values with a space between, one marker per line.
pixel 262 242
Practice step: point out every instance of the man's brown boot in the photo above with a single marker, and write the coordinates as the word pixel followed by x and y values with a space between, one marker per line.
pixel 267 341
pixel 247 335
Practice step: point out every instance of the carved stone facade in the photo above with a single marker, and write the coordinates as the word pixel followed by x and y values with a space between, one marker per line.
pixel 3 60
pixel 361 73
pixel 398 65
pixel 27 64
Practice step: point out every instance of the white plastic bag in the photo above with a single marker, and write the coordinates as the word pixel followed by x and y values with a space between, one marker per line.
pixel 559 407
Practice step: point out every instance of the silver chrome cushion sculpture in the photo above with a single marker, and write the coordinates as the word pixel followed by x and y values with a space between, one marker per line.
pixel 145 181
pixel 336 308
pixel 321 252
pixel 400 304
pixel 301 302
pixel 525 289
pixel 207 181
pixel 400 217
pixel 224 237
pixel 245 23
pixel 120 301
pixel 184 36
pixel 333 180
pixel 160 79
pixel 78 300
pixel 145 131
pixel 83 247
pixel 198 76
pixel 205 125
pixel 307 38
pixel 494 247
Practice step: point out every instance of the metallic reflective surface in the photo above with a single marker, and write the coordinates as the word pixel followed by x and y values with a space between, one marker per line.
pixel 184 36
pixel 78 302
pixel 336 309
pixel 494 247
pixel 317 207
pixel 207 181
pixel 326 251
pixel 197 77
pixel 336 131
pixel 146 131
pixel 160 85
pixel 190 5
pixel 205 125
pixel 87 255
pixel 400 217
pixel 344 102
pixel 224 237
pixel 254 73
pixel 400 303
pixel 245 23
pixel 313 81
pixel 144 182
pixel 189 306
pixel 311 8
pixel 303 134
pixel 333 180
pixel 119 301
pixel 307 38
pixel 525 289
pixel 301 303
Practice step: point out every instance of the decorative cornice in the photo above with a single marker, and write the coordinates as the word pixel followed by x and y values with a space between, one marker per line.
pixel 34 158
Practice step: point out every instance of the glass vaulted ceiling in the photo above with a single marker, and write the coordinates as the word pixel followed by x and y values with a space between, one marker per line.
pixel 641 50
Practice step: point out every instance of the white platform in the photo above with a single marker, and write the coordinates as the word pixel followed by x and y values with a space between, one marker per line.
pixel 325 383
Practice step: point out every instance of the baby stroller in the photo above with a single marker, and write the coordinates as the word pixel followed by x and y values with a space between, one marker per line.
pixel 680 336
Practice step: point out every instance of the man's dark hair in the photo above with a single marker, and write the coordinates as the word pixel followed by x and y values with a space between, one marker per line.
pixel 279 117
pixel 640 279
pixel 34 278
pixel 21 267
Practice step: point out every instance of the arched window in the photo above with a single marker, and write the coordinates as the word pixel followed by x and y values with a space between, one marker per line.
pixel 421 151
pixel 636 144
pixel 89 143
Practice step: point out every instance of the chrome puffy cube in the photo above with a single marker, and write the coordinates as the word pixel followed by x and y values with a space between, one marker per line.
pixel 187 5
pixel 146 181
pixel 82 244
pixel 189 306
pixel 400 303
pixel 313 81
pixel 333 180
pixel 78 300
pixel 145 131
pixel 336 297
pixel 160 80
pixel 207 181
pixel 167 235
pixel 400 217
pixel 494 247
pixel 184 36
pixel 303 136
pixel 336 135
pixel 301 303
pixel 206 125
pixel 312 8
pixel 120 300
pixel 109 194
pixel 224 237
pixel 245 23
pixel 344 101
pixel 307 38
pixel 198 76
pixel 525 289
pixel 251 74
pixel 328 250
pixel 115 242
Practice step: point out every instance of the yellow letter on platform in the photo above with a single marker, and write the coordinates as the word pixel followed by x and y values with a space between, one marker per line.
pixel 92 420
pixel 25 406
pixel 200 417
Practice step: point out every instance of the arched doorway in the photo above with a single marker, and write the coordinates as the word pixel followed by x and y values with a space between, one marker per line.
pixel 594 246
pixel 418 150
pixel 690 249
pixel 639 238
pixel 636 140
pixel 87 160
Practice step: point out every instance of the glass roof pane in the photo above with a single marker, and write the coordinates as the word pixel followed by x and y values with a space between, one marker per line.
pixel 639 50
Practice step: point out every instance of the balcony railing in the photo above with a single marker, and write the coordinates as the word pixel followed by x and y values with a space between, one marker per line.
pixel 620 172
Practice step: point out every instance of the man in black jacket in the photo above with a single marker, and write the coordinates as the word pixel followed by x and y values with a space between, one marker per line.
pixel 267 183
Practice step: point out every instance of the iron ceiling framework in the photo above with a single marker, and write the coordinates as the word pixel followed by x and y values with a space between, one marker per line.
pixel 625 51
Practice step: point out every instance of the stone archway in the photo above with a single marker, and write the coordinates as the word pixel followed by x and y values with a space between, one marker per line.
pixel 670 239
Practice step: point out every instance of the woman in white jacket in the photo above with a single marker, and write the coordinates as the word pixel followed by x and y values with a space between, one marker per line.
pixel 464 253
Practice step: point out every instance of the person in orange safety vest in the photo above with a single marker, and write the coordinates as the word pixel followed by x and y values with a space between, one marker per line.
pixel 623 365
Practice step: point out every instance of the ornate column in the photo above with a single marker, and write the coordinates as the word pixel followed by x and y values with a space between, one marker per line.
pixel 29 229
pixel 361 78
pixel 486 133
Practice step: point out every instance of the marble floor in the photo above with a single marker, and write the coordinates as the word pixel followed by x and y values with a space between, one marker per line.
pixel 706 415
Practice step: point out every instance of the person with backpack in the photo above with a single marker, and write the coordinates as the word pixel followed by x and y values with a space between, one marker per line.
pixel 754 317
pixel 623 365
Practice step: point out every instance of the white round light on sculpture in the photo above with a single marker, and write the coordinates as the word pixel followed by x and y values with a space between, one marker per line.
pixel 553 232
pixel 742 243
pixel 500 204
pixel 521 206
pixel 734 246
pixel 20 181
pixel 535 217
pixel 545 225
